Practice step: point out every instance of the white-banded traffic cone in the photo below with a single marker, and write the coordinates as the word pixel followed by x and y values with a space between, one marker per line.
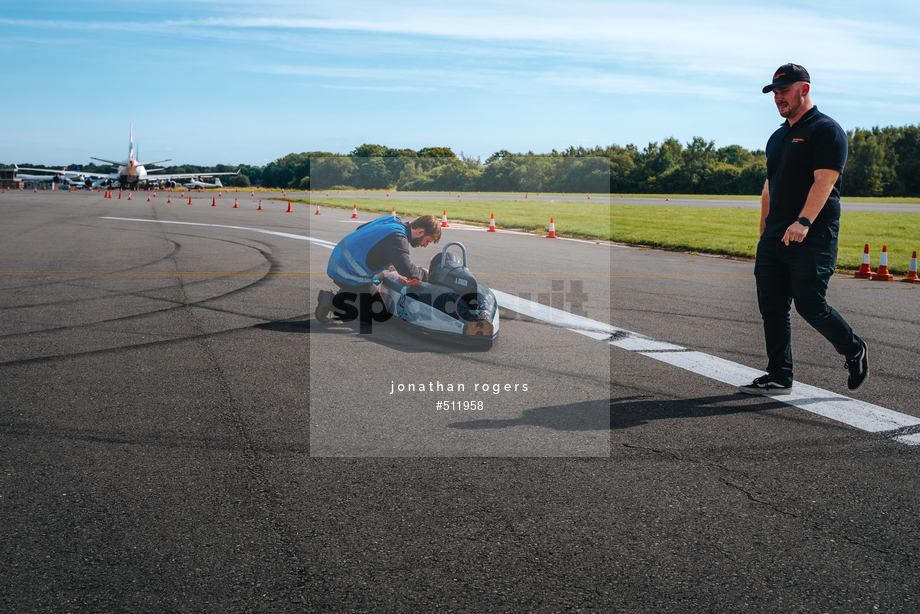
pixel 236 205
pixel 394 211
pixel 492 224
pixel 259 208
pixel 912 272
pixel 444 220
pixel 864 272
pixel 354 213
pixel 552 229
pixel 317 210
pixel 882 273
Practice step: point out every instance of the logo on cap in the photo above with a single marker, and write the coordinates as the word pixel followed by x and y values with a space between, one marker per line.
pixel 787 74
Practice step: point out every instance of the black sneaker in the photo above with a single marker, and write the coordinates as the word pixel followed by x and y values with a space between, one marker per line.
pixel 764 385
pixel 859 368
pixel 323 306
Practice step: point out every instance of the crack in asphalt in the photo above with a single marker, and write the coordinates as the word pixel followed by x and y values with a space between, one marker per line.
pixel 773 506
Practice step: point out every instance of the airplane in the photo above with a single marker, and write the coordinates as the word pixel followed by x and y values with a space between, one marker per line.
pixel 131 174
pixel 59 177
pixel 197 183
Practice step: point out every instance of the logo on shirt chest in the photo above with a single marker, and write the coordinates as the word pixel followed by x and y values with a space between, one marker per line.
pixel 798 140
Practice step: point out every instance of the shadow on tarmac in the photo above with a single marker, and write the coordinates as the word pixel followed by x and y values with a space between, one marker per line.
pixel 394 334
pixel 624 413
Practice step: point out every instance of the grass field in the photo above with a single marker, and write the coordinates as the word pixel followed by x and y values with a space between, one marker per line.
pixel 728 231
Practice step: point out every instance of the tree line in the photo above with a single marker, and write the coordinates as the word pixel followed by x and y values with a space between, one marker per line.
pixel 882 162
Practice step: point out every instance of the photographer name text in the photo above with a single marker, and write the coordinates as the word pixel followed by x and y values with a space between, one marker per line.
pixel 453 387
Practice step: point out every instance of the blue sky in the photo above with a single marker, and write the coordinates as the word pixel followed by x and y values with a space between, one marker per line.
pixel 234 81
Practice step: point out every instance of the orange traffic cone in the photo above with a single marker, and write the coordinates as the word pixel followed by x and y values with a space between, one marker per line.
pixel 354 214
pixel 284 194
pixel 154 194
pixel 864 271
pixel 236 205
pixel 289 208
pixel 219 194
pixel 492 224
pixel 259 208
pixel 317 210
pixel 182 195
pixel 148 198
pixel 912 272
pixel 169 199
pixel 119 194
pixel 882 274
pixel 444 220
pixel 129 195
pixel 213 201
pixel 190 200
pixel 552 229
pixel 394 211
pixel 526 194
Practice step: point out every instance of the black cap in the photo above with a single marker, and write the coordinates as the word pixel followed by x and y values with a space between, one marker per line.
pixel 787 74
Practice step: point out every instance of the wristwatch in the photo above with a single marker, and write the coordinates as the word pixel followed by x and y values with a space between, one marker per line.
pixel 804 222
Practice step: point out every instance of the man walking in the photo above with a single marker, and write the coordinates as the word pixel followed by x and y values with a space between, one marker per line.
pixel 799 221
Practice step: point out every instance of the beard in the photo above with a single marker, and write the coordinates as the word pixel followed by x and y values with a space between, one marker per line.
pixel 416 241
pixel 792 107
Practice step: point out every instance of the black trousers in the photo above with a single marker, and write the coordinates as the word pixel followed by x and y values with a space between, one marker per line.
pixel 798 273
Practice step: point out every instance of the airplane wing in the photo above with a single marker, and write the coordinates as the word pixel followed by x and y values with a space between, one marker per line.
pixel 107 161
pixel 71 173
pixel 190 175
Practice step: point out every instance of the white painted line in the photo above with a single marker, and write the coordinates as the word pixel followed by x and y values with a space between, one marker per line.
pixel 858 414
pixel 557 317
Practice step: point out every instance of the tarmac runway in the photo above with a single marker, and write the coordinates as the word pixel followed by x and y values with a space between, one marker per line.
pixel 179 434
pixel 614 199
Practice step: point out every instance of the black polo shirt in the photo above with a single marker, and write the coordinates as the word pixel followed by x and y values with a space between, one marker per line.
pixel 793 155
